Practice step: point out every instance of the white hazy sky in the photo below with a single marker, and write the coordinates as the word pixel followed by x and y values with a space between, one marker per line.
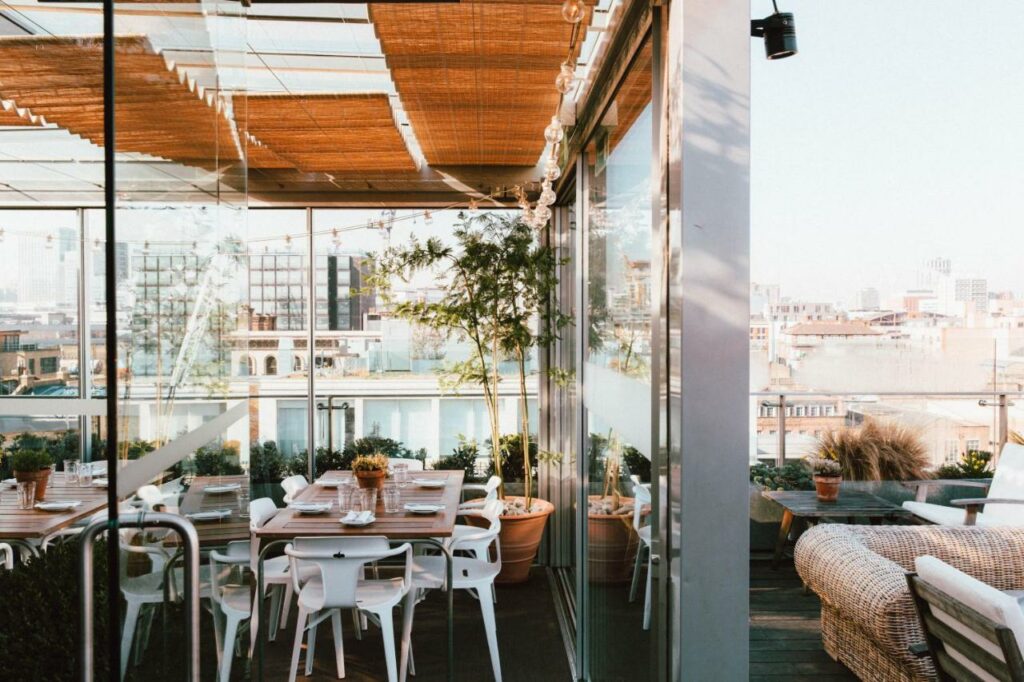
pixel 895 135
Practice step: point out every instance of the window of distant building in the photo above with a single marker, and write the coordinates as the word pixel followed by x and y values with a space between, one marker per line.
pixel 973 444
pixel 952 451
pixel 31 365
pixel 815 410
pixel 270 365
pixel 48 365
pixel 830 411
pixel 296 364
pixel 801 411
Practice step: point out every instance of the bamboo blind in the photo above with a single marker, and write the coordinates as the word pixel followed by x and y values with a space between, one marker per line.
pixel 159 110
pixel 634 95
pixel 10 115
pixel 476 78
pixel 343 133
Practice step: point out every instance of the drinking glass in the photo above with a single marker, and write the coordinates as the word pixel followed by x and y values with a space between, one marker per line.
pixel 392 496
pixel 70 471
pixel 402 475
pixel 26 494
pixel 368 497
pixel 345 497
pixel 85 476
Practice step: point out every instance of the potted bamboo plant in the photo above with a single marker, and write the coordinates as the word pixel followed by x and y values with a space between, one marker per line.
pixel 612 541
pixel 32 465
pixel 370 470
pixel 498 282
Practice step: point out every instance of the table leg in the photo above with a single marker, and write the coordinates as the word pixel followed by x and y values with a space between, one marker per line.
pixel 780 542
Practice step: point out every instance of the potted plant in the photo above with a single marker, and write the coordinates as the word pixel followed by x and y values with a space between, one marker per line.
pixel 32 465
pixel 828 475
pixel 498 281
pixel 370 470
pixel 613 543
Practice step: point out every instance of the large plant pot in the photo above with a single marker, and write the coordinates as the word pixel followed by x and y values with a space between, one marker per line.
pixel 41 478
pixel 520 537
pixel 612 546
pixel 371 479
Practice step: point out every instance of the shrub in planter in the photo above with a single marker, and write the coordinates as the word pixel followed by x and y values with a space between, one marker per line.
pixel 790 476
pixel 463 458
pixel 39 630
pixel 636 463
pixel 975 464
pixel 216 460
pixel 876 451
pixel 370 470
pixel 32 465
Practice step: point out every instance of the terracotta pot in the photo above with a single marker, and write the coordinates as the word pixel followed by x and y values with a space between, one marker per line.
pixel 827 487
pixel 612 545
pixel 520 538
pixel 371 479
pixel 41 477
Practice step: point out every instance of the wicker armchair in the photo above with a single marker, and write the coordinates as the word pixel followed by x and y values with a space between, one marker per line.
pixel 868 620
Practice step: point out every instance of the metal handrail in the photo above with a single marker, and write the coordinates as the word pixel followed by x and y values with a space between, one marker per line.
pixel 190 543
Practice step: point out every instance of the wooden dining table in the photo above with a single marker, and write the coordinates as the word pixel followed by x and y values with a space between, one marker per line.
pixel 215 533
pixel 26 527
pixel 398 527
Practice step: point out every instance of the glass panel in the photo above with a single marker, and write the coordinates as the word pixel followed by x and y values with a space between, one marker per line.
pixel 616 374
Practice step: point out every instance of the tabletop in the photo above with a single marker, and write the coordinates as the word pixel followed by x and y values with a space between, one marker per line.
pixel 234 527
pixel 33 524
pixel 850 503
pixel 403 525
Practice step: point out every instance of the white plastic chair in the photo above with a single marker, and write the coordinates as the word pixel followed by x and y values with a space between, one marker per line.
pixel 340 585
pixel 6 556
pixel 293 485
pixel 153 499
pixel 232 605
pixel 276 575
pixel 468 573
pixel 489 490
pixel 1004 502
pixel 641 497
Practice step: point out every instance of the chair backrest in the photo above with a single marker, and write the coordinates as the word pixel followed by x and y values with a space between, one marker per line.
pixel 969 625
pixel 341 561
pixel 413 464
pixel 150 496
pixel 481 540
pixel 228 568
pixel 293 485
pixel 491 488
pixel 641 497
pixel 261 510
pixel 1007 483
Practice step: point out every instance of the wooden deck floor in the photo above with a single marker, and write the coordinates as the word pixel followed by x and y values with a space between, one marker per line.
pixel 785 629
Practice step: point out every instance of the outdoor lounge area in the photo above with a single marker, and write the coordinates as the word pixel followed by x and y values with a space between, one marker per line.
pixel 536 340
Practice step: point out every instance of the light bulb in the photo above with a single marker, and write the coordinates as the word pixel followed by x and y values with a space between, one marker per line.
pixel 542 214
pixel 427 218
pixel 288 242
pixel 566 78
pixel 572 11
pixel 96 244
pixel 473 206
pixel 552 171
pixel 49 241
pixel 528 215
pixel 335 240
pixel 145 247
pixel 547 197
pixel 553 133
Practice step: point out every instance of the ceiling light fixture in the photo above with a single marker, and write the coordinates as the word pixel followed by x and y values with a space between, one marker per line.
pixel 779 33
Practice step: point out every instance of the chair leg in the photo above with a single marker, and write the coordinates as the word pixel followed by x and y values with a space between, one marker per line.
pixel 357 623
pixel 311 645
pixel 647 598
pixel 387 630
pixel 339 643
pixel 218 630
pixel 289 593
pixel 491 629
pixel 228 655
pixel 636 572
pixel 275 612
pixel 300 629
pixel 408 609
pixel 131 620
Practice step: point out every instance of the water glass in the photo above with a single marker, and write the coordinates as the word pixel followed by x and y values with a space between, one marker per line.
pixel 26 494
pixel 85 476
pixel 392 496
pixel 345 497
pixel 70 471
pixel 402 475
pixel 368 499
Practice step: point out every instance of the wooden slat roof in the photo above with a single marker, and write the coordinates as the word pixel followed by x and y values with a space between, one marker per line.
pixel 476 78
pixel 160 112
pixel 344 133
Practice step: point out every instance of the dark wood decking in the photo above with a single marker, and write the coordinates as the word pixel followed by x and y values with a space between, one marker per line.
pixel 785 629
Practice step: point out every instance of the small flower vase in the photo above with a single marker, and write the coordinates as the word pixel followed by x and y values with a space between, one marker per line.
pixel 827 487
pixel 371 479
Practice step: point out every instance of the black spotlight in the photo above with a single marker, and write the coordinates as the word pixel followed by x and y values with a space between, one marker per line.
pixel 779 33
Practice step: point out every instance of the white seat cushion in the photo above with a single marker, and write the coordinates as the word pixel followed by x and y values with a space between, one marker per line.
pixel 954 516
pixel 998 606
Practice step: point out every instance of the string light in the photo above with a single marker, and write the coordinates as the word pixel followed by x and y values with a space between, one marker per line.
pixel 566 78
pixel 473 207
pixel 427 218
pixel 554 133
pixel 49 242
pixel 96 244
pixel 573 11
pixel 288 242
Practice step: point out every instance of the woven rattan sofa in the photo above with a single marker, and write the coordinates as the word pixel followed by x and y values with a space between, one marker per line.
pixel 859 572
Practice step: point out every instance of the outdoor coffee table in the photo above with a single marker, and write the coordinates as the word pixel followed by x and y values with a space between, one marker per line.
pixel 804 504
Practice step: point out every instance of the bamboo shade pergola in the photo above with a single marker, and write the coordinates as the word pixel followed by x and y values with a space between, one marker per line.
pixel 634 94
pixel 476 77
pixel 159 110
pixel 337 133
pixel 10 115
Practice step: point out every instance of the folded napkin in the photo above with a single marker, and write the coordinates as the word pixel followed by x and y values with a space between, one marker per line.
pixel 58 505
pixel 358 517
pixel 209 513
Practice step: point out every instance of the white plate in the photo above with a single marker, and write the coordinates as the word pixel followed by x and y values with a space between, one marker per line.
pixel 429 482
pixel 213 515
pixel 331 483
pixel 223 488
pixel 57 506
pixel 310 507
pixel 10 481
pixel 100 483
pixel 423 508
pixel 355 522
